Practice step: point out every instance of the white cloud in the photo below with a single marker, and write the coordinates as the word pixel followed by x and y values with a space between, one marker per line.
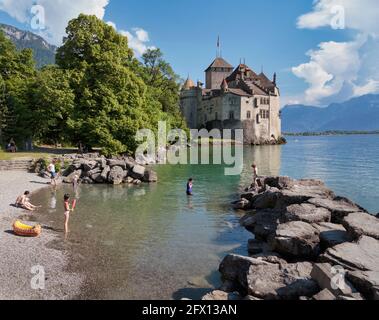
pixel 360 15
pixel 137 39
pixel 57 13
pixel 341 70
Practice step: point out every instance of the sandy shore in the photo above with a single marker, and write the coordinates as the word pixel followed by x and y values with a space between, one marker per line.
pixel 19 255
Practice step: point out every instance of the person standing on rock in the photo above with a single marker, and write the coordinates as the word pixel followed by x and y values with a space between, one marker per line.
pixel 190 187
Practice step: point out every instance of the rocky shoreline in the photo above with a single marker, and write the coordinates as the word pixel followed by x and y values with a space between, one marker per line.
pixel 308 244
pixel 96 169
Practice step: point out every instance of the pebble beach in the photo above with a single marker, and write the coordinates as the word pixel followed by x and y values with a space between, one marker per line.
pixel 19 255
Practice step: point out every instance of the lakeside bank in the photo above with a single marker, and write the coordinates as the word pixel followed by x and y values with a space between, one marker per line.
pixel 19 255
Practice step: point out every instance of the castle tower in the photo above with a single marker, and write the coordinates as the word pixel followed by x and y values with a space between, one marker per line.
pixel 189 102
pixel 216 73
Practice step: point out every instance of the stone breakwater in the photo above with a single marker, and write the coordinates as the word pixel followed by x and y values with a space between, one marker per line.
pixel 308 244
pixel 91 170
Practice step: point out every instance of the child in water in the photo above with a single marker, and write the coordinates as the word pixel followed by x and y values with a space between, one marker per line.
pixel 189 187
pixel 67 210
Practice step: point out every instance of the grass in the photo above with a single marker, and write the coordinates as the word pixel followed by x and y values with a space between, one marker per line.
pixel 24 155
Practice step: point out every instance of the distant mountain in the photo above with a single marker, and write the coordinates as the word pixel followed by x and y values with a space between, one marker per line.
pixel 44 53
pixel 357 114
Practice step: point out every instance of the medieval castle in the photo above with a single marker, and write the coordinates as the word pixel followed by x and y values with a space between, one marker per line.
pixel 234 99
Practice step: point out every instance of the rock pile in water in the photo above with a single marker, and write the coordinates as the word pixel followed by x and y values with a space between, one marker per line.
pixel 91 170
pixel 309 244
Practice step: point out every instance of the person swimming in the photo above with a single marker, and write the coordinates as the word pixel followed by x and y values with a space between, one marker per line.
pixel 190 187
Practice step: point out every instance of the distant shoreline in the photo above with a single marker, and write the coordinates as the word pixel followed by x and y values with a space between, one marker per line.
pixel 329 133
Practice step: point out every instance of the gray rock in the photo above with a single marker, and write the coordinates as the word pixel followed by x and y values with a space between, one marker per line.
pixel 296 239
pixel 150 176
pixel 105 173
pixel 307 213
pixel 243 204
pixel 363 255
pixel 360 223
pixel 92 172
pixel 339 207
pixel 70 178
pixel 324 295
pixel 266 200
pixel 116 175
pixel 366 282
pixel 130 163
pixel 327 278
pixel 117 163
pixel 87 180
pixel 218 295
pixel 279 182
pixel 273 282
pixel 234 268
pixel 262 224
pixel 88 165
pixel 97 177
pixel 138 172
pixel 256 246
pixel 331 234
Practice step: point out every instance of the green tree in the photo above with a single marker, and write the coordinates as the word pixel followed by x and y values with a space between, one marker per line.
pixel 163 84
pixel 111 100
pixel 52 103
pixel 17 71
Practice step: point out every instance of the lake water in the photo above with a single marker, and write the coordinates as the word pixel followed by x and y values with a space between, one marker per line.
pixel 153 242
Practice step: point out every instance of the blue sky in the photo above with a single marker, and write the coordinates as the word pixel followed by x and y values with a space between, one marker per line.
pixel 264 32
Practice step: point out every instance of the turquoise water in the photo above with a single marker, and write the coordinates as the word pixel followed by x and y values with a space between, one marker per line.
pixel 153 242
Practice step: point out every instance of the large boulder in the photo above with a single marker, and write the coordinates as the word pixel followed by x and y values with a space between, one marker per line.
pixel 116 163
pixel 70 177
pixel 116 175
pixel 332 234
pixel 362 224
pixel 105 173
pixel 262 224
pixel 339 207
pixel 88 165
pixel 362 255
pixel 234 268
pixel 150 176
pixel 138 172
pixel 296 239
pixel 367 282
pixel 307 212
pixel 324 295
pixel 279 182
pixel 328 277
pixel 266 200
pixel 276 282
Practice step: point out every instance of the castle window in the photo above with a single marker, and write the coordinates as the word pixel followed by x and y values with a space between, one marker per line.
pixel 258 119
pixel 248 115
pixel 256 102
pixel 231 115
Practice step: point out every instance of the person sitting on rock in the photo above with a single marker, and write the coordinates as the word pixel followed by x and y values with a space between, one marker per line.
pixel 24 202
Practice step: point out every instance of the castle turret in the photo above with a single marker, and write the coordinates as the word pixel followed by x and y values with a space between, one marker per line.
pixel 216 72
pixel 189 102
